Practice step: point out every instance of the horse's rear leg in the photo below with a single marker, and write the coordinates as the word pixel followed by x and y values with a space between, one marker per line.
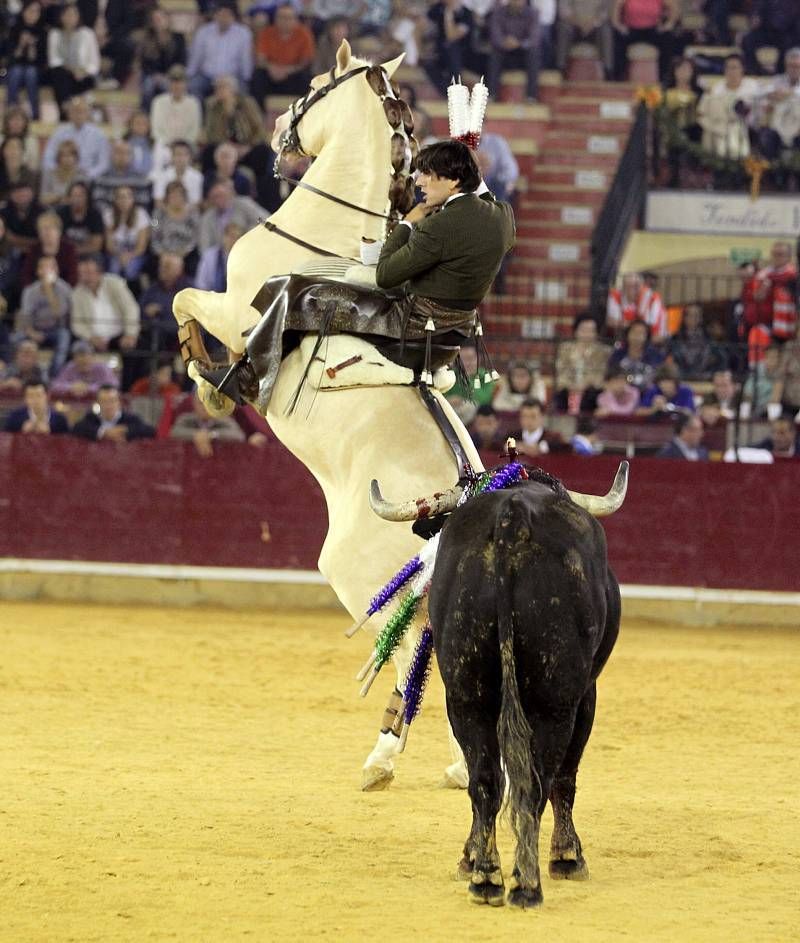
pixel 566 855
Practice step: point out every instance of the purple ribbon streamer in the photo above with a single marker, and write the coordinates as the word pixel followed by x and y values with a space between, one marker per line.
pixel 505 477
pixel 382 597
pixel 418 674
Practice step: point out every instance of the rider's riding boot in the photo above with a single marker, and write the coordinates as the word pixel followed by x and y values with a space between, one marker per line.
pixel 237 381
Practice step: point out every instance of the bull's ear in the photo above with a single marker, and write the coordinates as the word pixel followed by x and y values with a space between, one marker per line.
pixel 393 64
pixel 343 56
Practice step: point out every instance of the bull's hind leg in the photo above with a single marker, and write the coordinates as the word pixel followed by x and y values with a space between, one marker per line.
pixel 481 861
pixel 566 855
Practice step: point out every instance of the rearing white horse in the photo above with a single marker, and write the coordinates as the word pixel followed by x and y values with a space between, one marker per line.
pixel 370 421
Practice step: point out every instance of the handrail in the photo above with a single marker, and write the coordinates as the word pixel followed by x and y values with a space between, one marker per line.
pixel 623 204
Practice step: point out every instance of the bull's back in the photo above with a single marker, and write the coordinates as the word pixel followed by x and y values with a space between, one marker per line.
pixel 535 558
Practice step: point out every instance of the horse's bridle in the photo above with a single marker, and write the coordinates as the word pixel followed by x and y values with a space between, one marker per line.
pixel 290 140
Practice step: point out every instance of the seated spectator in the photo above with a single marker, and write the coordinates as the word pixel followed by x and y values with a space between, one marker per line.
pixel 710 413
pixel 691 349
pixel 643 21
pixel 124 24
pixel 158 332
pixel 775 24
pixel 763 385
pixel 57 181
pixel 179 170
pixel 159 382
pixel 679 124
pixel 127 235
pixel 84 374
pixel 518 384
pixel 726 392
pixel 141 143
pixel 19 215
pixel 105 313
pixel 666 394
pixel 514 35
pixel 175 117
pixel 24 368
pixel 584 21
pixel 783 440
pixel 203 429
pixel 724 113
pixel 27 55
pixel 485 430
pixel 73 56
pixel 35 417
pixel 580 368
pixel 51 241
pixel 618 398
pixel 175 227
pixel 781 101
pixel 687 441
pixel 94 152
pixel 636 356
pixel 533 438
pixel 231 117
pixel 788 390
pixel 225 207
pixel 452 23
pixel 284 52
pixel 586 440
pixel 222 47
pixel 83 222
pixel 635 300
pixel 212 268
pixel 121 174
pixel 225 158
pixel 407 29
pixel 499 167
pixel 110 422
pixel 13 171
pixel 45 312
pixel 16 124
pixel 336 29
pixel 161 50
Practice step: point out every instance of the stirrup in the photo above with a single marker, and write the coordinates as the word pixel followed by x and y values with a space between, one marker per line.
pixel 237 381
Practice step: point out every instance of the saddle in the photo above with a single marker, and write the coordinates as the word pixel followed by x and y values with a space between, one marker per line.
pixel 398 325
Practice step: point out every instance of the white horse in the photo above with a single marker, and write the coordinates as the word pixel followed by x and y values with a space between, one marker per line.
pixel 375 425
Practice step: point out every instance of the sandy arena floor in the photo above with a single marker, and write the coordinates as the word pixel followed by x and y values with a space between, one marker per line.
pixel 193 776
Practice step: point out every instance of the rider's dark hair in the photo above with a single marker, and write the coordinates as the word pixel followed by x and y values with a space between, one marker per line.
pixel 451 160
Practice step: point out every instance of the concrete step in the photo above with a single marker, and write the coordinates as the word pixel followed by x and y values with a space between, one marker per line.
pixel 576 160
pixel 580 179
pixel 620 91
pixel 610 109
pixel 557 231
pixel 597 126
pixel 584 140
pixel 537 252
pixel 559 194
pixel 532 212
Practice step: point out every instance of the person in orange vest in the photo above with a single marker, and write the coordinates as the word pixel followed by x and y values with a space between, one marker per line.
pixel 635 300
pixel 770 312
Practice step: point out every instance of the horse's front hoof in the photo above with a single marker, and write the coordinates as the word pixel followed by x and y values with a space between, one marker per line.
pixel 526 898
pixel 375 778
pixel 487 893
pixel 569 870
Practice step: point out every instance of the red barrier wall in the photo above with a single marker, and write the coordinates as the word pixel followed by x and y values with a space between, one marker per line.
pixel 683 524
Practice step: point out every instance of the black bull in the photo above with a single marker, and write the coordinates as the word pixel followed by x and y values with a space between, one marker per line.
pixel 525 612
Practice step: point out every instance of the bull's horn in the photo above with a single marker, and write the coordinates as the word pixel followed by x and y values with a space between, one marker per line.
pixel 601 507
pixel 439 503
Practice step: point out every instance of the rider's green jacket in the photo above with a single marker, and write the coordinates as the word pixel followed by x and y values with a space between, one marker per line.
pixel 451 256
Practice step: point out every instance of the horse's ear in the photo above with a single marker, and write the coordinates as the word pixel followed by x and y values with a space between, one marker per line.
pixel 343 55
pixel 393 64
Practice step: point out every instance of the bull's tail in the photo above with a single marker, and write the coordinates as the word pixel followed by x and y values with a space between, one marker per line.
pixel 514 732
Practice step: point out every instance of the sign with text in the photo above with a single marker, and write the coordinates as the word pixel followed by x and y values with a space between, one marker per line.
pixel 724 214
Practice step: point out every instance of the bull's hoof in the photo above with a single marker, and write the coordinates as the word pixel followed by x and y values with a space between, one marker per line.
pixel 562 869
pixel 375 778
pixel 487 893
pixel 526 898
pixel 464 870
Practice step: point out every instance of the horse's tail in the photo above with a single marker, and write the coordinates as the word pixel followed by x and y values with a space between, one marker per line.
pixel 513 729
